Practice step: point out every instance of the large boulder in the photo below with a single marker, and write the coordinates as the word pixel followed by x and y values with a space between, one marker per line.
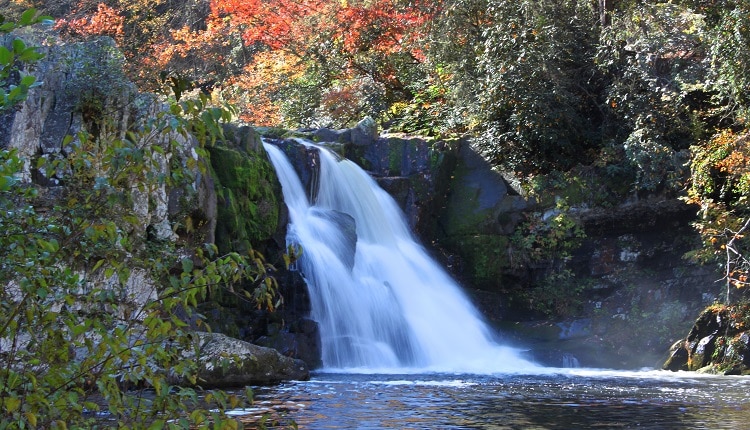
pixel 227 362
pixel 719 342
pixel 365 132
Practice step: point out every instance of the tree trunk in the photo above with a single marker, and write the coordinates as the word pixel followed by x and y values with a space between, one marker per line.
pixel 605 7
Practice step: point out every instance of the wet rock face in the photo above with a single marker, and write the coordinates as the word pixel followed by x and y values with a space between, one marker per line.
pixel 305 160
pixel 301 340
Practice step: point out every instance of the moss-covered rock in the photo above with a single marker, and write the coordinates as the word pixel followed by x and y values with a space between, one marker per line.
pixel 477 215
pixel 248 206
pixel 719 342
pixel 485 257
pixel 242 137
pixel 480 200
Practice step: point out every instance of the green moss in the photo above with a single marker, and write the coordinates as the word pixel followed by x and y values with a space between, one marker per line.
pixel 486 258
pixel 463 213
pixel 396 148
pixel 273 132
pixel 248 209
pixel 436 159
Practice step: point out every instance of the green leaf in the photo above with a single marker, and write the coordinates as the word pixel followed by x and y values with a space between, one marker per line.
pixel 11 404
pixel 29 55
pixel 157 425
pixel 28 81
pixel 98 265
pixel 18 46
pixel 27 18
pixel 6 57
pixel 5 183
pixel 187 265
pixel 31 418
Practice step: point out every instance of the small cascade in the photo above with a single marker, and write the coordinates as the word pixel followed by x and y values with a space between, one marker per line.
pixel 381 302
pixel 570 361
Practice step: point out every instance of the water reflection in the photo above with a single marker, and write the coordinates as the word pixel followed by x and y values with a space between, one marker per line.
pixel 569 400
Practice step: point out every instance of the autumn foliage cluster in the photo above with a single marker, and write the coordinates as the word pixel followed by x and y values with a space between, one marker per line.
pixel 276 60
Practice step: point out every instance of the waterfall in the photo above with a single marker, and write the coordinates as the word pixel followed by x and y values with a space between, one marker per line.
pixel 390 306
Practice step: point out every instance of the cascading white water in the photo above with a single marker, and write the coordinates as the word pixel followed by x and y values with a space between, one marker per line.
pixel 393 307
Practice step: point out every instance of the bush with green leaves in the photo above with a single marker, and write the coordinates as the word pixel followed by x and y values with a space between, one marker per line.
pixel 656 74
pixel 14 84
pixel 721 188
pixel 524 81
pixel 729 44
pixel 93 313
pixel 77 340
pixel 548 240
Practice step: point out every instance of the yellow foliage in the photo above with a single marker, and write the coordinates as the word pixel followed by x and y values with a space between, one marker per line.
pixel 255 89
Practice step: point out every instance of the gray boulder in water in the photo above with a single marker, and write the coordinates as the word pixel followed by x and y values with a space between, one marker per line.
pixel 227 362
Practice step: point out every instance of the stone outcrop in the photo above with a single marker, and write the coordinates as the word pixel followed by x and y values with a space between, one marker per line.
pixel 227 362
pixel 719 342
pixel 636 293
pixel 365 132
pixel 84 89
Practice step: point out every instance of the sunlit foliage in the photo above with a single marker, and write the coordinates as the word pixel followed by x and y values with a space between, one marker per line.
pixel 721 186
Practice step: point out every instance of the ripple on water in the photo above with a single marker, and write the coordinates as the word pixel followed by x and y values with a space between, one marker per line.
pixel 553 400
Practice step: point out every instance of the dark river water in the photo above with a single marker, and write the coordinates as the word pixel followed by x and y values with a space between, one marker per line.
pixel 562 399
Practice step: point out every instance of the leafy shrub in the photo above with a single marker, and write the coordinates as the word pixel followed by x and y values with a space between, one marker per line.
pixel 729 42
pixel 15 84
pixel 721 186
